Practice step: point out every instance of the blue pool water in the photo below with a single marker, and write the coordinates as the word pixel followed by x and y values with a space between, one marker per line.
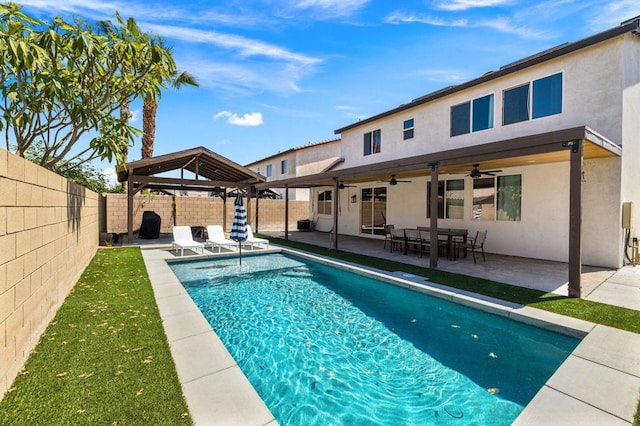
pixel 324 346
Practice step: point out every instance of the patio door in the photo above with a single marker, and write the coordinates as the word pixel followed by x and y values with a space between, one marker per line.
pixel 373 210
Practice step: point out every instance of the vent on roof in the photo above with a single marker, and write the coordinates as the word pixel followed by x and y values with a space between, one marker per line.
pixel 628 21
pixel 428 95
pixel 537 55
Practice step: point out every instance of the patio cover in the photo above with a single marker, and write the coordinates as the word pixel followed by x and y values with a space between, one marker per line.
pixel 212 172
pixel 571 145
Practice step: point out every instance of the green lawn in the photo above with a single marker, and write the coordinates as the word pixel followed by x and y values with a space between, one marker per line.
pixel 104 359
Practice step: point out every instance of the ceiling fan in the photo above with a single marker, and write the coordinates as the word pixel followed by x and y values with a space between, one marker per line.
pixel 341 185
pixel 476 173
pixel 393 181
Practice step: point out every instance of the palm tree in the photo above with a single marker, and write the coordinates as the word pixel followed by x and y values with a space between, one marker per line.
pixel 150 106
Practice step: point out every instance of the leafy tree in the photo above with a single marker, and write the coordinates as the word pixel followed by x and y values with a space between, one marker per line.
pixel 61 82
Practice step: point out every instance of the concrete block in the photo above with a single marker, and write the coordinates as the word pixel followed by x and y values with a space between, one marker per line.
pixel 30 263
pixel 3 220
pixel 15 271
pixel 15 219
pixel 7 192
pixel 15 167
pixel 7 248
pixel 23 291
pixel 30 217
pixel 7 303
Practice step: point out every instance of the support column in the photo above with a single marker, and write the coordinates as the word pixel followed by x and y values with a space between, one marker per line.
pixel 286 212
pixel 433 213
pixel 130 207
pixel 575 218
pixel 336 201
pixel 257 211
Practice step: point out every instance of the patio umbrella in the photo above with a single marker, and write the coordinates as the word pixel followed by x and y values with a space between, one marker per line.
pixel 239 226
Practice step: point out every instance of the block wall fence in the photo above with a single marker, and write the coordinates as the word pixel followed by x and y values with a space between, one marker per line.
pixel 48 235
pixel 198 211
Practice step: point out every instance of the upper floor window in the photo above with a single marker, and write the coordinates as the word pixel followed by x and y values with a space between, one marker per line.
pixel 408 129
pixel 472 116
pixel 258 170
pixel 541 98
pixel 284 167
pixel 269 170
pixel 372 142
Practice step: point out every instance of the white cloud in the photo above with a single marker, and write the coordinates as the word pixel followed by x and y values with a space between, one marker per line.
pixel 455 5
pixel 500 24
pixel 110 176
pixel 612 13
pixel 332 8
pixel 252 119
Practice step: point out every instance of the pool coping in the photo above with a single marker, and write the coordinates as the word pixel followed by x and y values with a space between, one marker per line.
pixel 599 383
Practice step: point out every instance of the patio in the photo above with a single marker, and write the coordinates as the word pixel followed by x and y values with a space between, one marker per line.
pixel 537 274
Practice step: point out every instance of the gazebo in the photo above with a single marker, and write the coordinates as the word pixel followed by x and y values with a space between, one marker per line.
pixel 213 173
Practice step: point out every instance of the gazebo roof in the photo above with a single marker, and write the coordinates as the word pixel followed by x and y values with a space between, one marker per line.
pixel 210 169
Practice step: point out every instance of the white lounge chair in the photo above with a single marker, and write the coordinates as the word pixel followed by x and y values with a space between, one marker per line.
pixel 216 238
pixel 251 240
pixel 182 239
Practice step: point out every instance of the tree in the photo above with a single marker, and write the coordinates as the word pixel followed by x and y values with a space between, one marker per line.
pixel 62 82
pixel 150 107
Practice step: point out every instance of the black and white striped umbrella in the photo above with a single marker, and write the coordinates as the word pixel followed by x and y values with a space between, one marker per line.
pixel 239 225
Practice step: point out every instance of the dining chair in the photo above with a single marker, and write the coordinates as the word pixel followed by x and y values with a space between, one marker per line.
pixel 473 244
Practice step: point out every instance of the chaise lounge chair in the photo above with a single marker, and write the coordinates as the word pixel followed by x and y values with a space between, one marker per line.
pixel 182 239
pixel 251 240
pixel 216 238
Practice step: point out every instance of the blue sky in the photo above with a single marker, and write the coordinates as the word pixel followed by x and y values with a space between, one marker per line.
pixel 277 74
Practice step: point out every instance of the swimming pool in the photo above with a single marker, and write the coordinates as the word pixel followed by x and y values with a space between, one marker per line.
pixel 325 346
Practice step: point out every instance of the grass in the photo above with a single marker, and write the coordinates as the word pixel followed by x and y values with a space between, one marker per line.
pixel 613 316
pixel 104 359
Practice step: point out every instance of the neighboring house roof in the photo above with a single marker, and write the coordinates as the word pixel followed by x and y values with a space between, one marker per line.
pixel 631 25
pixel 297 148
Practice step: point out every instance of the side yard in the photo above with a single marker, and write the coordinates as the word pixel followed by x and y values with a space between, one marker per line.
pixel 104 359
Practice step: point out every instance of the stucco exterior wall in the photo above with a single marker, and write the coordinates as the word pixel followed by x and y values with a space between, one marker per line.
pixel 48 235
pixel 542 232
pixel 199 211
pixel 592 96
pixel 631 130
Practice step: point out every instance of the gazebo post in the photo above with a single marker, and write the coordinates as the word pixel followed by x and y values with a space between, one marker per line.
pixel 286 212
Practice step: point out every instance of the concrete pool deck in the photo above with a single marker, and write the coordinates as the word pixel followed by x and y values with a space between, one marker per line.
pixel 599 383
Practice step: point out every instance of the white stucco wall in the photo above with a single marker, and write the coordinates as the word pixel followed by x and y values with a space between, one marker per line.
pixel 630 190
pixel 592 96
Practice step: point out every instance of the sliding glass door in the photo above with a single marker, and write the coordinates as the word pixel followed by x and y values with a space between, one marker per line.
pixel 373 210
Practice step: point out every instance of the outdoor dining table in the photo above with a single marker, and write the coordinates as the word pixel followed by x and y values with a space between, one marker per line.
pixel 450 233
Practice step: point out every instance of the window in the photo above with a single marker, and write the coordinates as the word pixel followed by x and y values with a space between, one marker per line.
pixel 373 204
pixel 483 113
pixel 547 96
pixel 284 167
pixel 545 100
pixel 483 199
pixel 408 129
pixel 460 116
pixel 472 116
pixel 450 199
pixel 324 202
pixel 516 105
pixel 258 170
pixel 509 197
pixel 269 170
pixel 372 142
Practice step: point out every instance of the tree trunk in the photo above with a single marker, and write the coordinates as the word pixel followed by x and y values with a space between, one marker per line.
pixel 125 114
pixel 148 127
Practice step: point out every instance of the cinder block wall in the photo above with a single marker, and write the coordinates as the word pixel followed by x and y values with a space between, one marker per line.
pixel 48 235
pixel 199 211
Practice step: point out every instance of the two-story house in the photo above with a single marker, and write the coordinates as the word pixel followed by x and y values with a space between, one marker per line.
pixel 543 153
